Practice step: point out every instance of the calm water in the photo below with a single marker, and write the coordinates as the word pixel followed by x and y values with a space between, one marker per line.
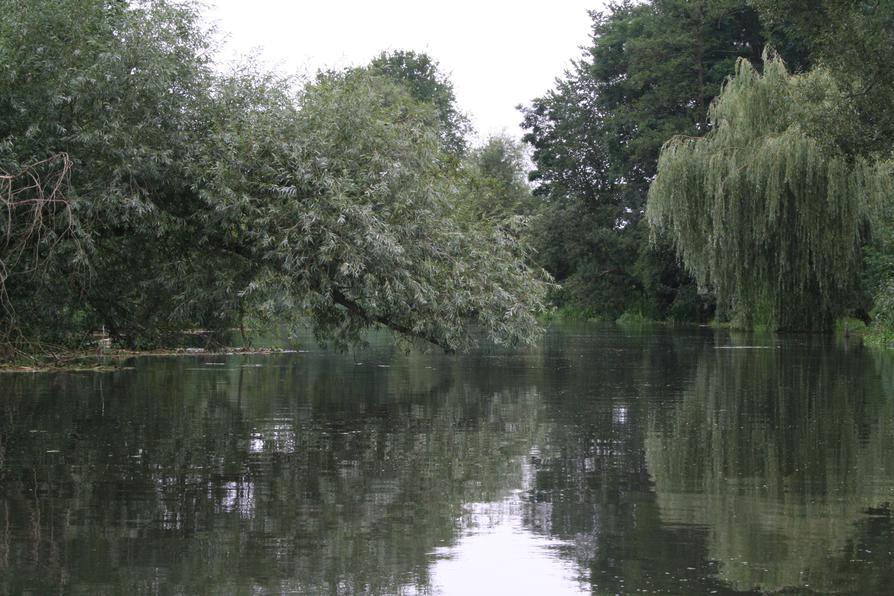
pixel 604 461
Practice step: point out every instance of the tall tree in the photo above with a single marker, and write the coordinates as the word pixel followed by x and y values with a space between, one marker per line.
pixel 767 209
pixel 651 72
pixel 119 89
pixel 420 75
pixel 853 41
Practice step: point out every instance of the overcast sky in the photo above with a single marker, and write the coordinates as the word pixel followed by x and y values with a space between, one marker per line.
pixel 498 53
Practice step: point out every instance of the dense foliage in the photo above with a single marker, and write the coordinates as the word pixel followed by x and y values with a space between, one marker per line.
pixel 651 72
pixel 852 41
pixel 148 195
pixel 420 76
pixel 198 200
pixel 765 209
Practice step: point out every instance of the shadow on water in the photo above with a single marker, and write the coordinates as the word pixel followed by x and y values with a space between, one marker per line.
pixel 602 461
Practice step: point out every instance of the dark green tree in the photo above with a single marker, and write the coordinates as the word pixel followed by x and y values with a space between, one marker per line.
pixel 851 41
pixel 119 89
pixel 420 75
pixel 650 73
pixel 496 188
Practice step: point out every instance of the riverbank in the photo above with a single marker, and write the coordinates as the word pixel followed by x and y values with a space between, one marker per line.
pixel 109 360
pixel 875 334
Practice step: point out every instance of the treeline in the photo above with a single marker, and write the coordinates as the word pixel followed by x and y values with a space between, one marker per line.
pixel 702 160
pixel 148 195
pixel 770 205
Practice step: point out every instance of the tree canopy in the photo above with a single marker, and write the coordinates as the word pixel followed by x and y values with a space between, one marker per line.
pixel 650 72
pixel 198 200
pixel 420 76
pixel 852 41
pixel 766 208
pixel 148 194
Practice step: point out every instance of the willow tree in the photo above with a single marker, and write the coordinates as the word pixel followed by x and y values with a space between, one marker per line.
pixel 196 200
pixel 766 209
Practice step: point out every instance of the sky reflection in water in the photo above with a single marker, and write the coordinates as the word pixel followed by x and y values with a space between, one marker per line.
pixel 498 554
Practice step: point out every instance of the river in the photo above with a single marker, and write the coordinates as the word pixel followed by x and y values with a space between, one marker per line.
pixel 604 460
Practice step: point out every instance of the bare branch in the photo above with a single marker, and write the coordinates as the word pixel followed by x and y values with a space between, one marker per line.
pixel 37 216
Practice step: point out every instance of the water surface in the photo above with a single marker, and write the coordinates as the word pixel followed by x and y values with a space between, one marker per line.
pixel 603 461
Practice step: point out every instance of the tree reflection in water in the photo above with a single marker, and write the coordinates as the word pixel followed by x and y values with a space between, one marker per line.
pixel 605 460
pixel 304 474
pixel 784 456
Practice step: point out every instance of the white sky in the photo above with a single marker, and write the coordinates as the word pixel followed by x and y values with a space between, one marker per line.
pixel 498 53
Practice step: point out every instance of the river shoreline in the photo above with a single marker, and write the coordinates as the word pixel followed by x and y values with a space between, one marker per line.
pixel 111 360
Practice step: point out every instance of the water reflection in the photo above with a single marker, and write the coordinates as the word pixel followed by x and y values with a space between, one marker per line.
pixel 603 461
pixel 308 475
pixel 500 552
pixel 497 554
pixel 784 457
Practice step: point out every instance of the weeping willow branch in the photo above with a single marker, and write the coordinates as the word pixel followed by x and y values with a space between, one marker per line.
pixel 765 209
pixel 36 216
